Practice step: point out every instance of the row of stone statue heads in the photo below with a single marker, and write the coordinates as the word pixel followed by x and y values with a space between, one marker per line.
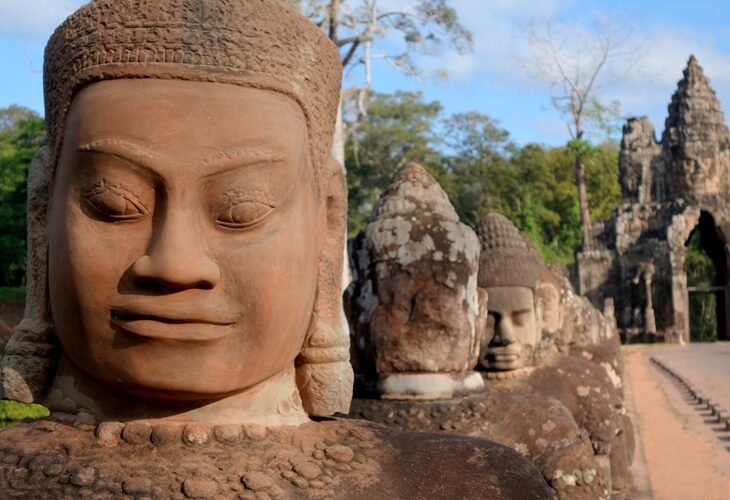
pixel 445 319
pixel 183 315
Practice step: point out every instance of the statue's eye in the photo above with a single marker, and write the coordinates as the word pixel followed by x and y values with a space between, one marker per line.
pixel 115 202
pixel 244 207
pixel 244 213
pixel 521 318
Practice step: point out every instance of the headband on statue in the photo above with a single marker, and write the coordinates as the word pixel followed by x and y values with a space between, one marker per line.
pixel 253 43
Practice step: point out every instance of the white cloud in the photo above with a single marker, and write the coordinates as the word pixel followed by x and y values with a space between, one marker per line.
pixel 643 86
pixel 648 89
pixel 495 26
pixel 34 19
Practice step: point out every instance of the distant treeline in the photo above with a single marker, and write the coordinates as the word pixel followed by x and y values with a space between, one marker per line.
pixel 481 169
pixel 22 132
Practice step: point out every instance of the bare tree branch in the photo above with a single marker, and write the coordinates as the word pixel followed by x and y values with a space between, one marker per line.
pixel 356 27
pixel 575 66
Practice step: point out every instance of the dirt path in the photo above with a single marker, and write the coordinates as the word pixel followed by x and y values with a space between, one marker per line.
pixel 686 457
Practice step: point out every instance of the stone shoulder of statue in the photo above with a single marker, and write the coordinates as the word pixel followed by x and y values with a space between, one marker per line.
pixel 541 428
pixel 332 458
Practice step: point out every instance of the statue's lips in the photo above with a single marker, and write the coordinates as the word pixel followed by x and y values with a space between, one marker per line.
pixel 173 322
pixel 503 354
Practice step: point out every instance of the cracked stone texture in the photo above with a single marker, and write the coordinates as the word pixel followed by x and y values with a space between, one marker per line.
pixel 540 428
pixel 585 388
pixel 665 186
pixel 586 374
pixel 331 459
pixel 569 320
pixel 414 303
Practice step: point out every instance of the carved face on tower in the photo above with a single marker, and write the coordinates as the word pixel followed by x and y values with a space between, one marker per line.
pixel 510 274
pixel 196 223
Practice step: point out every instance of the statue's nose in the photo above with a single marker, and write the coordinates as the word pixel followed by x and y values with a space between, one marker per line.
pixel 503 332
pixel 177 258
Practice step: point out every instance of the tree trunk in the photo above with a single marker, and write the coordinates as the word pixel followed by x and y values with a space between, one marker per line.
pixel 338 143
pixel 585 215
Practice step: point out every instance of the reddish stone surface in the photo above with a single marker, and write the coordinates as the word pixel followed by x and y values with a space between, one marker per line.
pixel 540 428
pixel 331 459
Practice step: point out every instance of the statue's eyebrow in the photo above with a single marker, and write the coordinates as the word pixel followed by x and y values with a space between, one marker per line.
pixel 240 155
pixel 134 153
pixel 223 159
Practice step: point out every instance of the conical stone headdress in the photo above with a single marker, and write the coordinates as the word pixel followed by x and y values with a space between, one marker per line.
pixel 505 259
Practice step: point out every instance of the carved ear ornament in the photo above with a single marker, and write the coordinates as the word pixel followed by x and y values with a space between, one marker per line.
pixel 323 371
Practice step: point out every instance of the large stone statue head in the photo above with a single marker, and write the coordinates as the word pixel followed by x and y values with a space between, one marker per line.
pixel 417 311
pixel 510 273
pixel 196 221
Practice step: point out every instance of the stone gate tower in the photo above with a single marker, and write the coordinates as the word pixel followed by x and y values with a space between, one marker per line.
pixel 669 188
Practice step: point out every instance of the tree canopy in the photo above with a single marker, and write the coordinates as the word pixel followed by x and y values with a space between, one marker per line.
pixel 481 169
pixel 368 30
pixel 22 132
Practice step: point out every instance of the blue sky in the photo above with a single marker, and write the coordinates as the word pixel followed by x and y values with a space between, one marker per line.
pixel 491 79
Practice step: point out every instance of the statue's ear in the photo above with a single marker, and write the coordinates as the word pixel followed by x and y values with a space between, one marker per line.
pixel 480 324
pixel 324 373
pixel 539 310
pixel 32 352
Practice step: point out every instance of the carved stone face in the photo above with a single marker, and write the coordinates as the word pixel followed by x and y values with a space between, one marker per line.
pixel 511 334
pixel 184 236
pixel 549 296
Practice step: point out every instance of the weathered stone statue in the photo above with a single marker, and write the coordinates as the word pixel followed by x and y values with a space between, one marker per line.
pixel 414 309
pixel 510 275
pixel 183 308
pixel 416 306
pixel 572 326
pixel 519 355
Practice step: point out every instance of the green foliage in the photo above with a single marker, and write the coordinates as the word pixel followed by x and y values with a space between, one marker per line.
pixel 603 119
pixel 12 295
pixel 604 190
pixel 700 272
pixel 13 410
pixel 703 317
pixel 399 130
pixel 481 169
pixel 420 27
pixel 22 132
pixel 698 266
